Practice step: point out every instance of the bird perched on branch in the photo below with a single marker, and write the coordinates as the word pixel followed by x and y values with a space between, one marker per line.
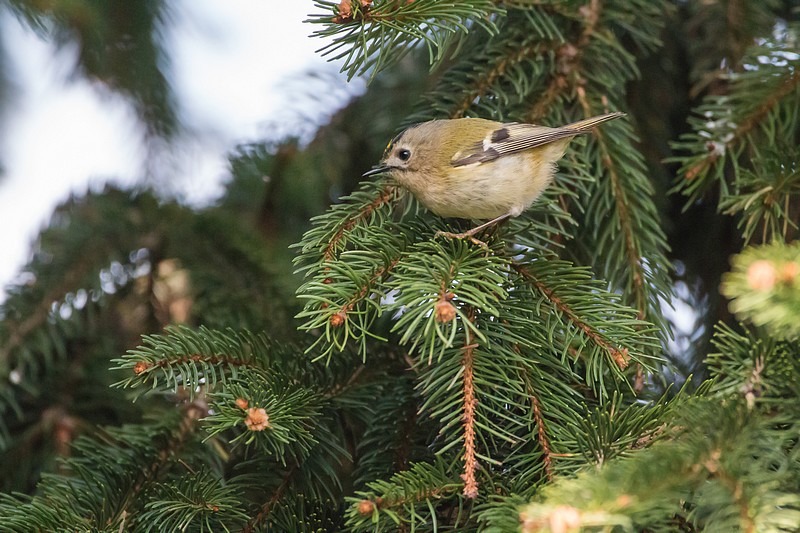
pixel 476 168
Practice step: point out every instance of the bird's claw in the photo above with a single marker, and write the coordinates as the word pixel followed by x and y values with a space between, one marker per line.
pixel 465 235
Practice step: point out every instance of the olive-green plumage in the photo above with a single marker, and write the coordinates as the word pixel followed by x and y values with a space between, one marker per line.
pixel 476 168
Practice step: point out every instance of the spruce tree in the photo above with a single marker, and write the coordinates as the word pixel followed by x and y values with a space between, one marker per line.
pixel 402 382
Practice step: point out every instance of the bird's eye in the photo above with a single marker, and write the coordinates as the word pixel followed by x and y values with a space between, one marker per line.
pixel 403 154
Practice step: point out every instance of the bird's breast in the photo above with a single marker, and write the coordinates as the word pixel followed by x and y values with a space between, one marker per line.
pixel 507 185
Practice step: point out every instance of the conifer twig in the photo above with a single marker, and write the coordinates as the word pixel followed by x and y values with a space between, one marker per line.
pixel 568 57
pixel 143 366
pixel 620 357
pixel 350 222
pixel 380 273
pixel 192 412
pixel 749 123
pixel 541 435
pixel 381 503
pixel 266 508
pixel 20 330
pixel 487 79
pixel 470 461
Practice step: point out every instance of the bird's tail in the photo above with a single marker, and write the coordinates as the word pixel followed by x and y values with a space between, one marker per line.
pixel 588 123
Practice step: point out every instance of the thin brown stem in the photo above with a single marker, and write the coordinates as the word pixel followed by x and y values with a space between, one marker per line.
pixel 254 523
pixel 620 357
pixel 192 412
pixel 482 85
pixel 390 503
pixel 143 366
pixel 470 402
pixel 746 126
pixel 379 274
pixel 383 197
pixel 541 435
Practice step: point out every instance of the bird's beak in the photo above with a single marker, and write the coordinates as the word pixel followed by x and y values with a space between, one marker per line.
pixel 375 170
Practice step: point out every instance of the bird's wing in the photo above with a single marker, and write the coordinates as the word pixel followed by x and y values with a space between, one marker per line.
pixel 508 139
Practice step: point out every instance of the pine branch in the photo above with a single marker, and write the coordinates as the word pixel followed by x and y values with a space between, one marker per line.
pixel 620 357
pixel 18 331
pixel 268 506
pixel 374 203
pixel 764 287
pixel 279 418
pixel 432 284
pixel 200 499
pixel 727 126
pixel 190 414
pixel 755 367
pixel 766 196
pixel 715 152
pixel 581 67
pixel 559 294
pixel 718 36
pixel 386 194
pixel 346 301
pixel 371 37
pixel 107 479
pixel 305 515
pixel 703 465
pixel 407 497
pixel 470 461
pixel 194 358
pixel 541 435
pixel 488 78
pixel 396 435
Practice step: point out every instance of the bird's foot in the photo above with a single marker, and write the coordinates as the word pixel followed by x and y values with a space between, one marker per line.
pixel 465 235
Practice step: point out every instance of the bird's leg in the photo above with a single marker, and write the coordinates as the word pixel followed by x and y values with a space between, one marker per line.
pixel 471 233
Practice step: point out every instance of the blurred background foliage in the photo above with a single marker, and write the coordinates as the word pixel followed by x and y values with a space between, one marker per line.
pixel 116 264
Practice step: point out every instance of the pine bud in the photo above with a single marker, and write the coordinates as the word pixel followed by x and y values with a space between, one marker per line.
pixel 564 518
pixel 761 276
pixel 241 403
pixel 365 507
pixel 444 311
pixel 140 367
pixel 338 319
pixel 257 419
pixel 790 271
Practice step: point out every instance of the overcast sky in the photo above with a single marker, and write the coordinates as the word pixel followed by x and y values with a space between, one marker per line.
pixel 236 65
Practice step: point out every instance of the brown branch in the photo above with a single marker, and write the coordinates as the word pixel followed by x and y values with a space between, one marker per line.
pixel 558 85
pixel 268 505
pixel 541 432
pixel 620 357
pixel 143 366
pixel 747 125
pixel 366 506
pixel 349 223
pixel 470 461
pixel 338 318
pixel 192 412
pixel 487 80
pixel 568 62
pixel 541 435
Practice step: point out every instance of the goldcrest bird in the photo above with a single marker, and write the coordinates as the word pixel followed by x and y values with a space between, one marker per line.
pixel 476 168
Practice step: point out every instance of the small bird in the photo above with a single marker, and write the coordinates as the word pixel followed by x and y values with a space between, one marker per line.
pixel 476 168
